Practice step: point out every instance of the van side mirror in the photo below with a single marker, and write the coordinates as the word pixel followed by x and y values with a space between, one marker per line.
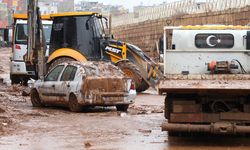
pixel 6 35
pixel 248 40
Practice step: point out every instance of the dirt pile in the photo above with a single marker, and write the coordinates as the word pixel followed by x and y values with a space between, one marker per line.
pixel 10 97
pixel 145 109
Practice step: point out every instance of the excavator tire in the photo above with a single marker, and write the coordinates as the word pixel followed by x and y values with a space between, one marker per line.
pixel 132 71
pixel 58 61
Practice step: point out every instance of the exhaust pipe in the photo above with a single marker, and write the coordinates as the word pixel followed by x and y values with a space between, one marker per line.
pixel 214 128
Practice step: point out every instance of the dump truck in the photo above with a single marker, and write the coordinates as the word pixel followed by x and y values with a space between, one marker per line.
pixel 80 36
pixel 206 79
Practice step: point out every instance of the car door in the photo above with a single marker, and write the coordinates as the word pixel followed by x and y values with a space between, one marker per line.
pixel 67 83
pixel 47 89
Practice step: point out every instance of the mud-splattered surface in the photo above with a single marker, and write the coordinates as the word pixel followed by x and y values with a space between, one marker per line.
pixel 25 128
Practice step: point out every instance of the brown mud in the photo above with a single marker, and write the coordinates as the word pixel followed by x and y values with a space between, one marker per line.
pixel 23 127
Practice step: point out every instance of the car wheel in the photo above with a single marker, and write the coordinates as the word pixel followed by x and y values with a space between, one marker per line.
pixel 35 99
pixel 122 107
pixel 73 104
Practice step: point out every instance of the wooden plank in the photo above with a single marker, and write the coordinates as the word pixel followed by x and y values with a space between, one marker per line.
pixel 183 102
pixel 195 108
pixel 194 118
pixel 247 108
pixel 235 116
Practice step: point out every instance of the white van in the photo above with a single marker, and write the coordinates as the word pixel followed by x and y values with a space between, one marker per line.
pixel 19 71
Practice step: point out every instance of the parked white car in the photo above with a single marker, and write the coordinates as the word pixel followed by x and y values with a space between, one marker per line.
pixel 77 84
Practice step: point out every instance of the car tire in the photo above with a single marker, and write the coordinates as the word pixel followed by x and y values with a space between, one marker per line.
pixel 74 106
pixel 123 108
pixel 132 71
pixel 35 99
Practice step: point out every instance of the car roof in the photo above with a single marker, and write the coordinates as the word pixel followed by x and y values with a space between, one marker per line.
pixel 98 68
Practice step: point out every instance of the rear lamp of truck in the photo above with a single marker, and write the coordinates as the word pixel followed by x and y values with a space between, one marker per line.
pixel 18 47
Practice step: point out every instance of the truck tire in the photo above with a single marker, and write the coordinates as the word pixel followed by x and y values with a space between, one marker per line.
pixel 14 79
pixel 18 79
pixel 58 61
pixel 74 106
pixel 123 108
pixel 35 99
pixel 132 71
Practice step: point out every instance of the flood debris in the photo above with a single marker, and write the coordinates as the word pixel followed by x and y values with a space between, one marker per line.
pixel 145 109
pixel 2 110
pixel 4 124
pixel 1 79
pixel 122 114
pixel 26 92
pixel 87 144
pixel 145 131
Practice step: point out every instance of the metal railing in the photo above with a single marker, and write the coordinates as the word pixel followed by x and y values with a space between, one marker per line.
pixel 177 8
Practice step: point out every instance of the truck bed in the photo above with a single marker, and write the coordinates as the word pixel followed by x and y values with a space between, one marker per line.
pixel 239 84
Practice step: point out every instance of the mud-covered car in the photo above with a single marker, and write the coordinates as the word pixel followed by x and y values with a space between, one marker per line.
pixel 78 84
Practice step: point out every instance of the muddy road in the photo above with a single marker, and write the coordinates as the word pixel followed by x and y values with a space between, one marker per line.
pixel 25 128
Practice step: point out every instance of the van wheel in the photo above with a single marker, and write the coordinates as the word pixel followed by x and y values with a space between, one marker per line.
pixel 35 99
pixel 122 107
pixel 59 60
pixel 74 106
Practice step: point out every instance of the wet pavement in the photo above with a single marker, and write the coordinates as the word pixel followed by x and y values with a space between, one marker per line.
pixel 23 127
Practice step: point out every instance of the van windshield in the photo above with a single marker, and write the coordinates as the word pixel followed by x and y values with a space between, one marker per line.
pixel 21 35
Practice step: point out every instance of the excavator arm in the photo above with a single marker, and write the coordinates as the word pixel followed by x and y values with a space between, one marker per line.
pixel 36 40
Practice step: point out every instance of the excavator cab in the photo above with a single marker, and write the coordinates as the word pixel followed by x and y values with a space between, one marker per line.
pixel 81 36
pixel 78 33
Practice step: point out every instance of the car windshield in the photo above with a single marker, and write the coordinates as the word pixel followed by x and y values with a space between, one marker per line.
pixel 21 35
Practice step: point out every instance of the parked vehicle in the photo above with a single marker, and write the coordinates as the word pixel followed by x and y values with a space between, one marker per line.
pixel 20 71
pixel 76 84
pixel 207 79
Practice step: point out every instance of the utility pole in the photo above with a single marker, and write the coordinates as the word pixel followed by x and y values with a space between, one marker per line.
pixel 36 40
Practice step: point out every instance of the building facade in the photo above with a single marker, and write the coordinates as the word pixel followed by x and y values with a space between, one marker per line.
pixel 48 7
pixel 4 14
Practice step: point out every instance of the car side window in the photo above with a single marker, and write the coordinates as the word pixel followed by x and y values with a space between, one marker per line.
pixel 54 74
pixel 69 73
